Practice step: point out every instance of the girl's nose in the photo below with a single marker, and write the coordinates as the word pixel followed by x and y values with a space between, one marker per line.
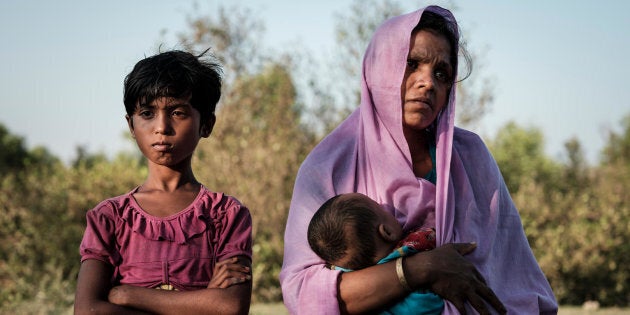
pixel 163 125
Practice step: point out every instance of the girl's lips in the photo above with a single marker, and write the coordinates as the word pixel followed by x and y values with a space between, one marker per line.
pixel 161 147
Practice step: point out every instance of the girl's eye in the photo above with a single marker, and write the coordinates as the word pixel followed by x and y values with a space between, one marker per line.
pixel 179 113
pixel 145 114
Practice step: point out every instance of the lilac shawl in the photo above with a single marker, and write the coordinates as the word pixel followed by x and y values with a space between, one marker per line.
pixel 368 153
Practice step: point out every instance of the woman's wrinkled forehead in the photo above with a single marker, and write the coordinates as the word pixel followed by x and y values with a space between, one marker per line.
pixel 385 59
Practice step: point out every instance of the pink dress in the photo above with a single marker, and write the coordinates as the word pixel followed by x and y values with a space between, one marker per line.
pixel 177 251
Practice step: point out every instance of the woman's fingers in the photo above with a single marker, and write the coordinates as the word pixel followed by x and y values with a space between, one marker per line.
pixel 459 305
pixel 454 278
pixel 463 248
pixel 487 294
pixel 478 304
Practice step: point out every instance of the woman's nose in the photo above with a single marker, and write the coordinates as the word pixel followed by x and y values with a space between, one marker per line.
pixel 424 79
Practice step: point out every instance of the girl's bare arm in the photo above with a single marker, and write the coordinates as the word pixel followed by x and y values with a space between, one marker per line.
pixel 93 286
pixel 229 292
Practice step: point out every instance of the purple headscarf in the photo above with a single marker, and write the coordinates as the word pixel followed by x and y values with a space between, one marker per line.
pixel 368 153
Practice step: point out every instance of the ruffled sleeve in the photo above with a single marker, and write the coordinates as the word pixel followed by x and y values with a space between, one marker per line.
pixel 232 224
pixel 99 239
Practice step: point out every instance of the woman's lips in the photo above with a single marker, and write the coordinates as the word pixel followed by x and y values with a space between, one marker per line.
pixel 424 102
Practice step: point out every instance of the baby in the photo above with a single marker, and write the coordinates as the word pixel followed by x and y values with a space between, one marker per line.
pixel 351 232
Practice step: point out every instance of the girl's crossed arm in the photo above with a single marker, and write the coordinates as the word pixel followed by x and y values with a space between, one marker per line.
pixel 229 292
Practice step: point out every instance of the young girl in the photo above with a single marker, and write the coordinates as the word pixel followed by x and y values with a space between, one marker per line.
pixel 171 232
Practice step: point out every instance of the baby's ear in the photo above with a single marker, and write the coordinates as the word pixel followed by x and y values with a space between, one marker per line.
pixel 387 234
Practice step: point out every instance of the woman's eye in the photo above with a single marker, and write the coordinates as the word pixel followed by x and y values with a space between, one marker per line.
pixel 412 64
pixel 442 76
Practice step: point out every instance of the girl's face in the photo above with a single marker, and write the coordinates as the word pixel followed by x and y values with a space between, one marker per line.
pixel 427 81
pixel 168 130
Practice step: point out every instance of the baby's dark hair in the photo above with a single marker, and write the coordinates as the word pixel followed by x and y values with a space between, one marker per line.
pixel 176 74
pixel 344 227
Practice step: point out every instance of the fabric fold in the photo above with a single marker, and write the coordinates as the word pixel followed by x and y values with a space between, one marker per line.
pixel 178 228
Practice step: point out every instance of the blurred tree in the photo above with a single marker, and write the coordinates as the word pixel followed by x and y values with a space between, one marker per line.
pixel 15 156
pixel 234 35
pixel 259 140
pixel 618 148
pixel 519 152
pixel 12 151
pixel 576 172
pixel 254 153
pixel 577 218
pixel 42 218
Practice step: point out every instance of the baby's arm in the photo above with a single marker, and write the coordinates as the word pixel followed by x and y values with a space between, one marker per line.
pixel 93 286
pixel 229 292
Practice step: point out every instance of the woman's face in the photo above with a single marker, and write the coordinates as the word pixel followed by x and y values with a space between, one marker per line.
pixel 427 81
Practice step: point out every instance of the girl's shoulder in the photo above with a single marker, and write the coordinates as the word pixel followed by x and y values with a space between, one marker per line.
pixel 217 204
pixel 111 207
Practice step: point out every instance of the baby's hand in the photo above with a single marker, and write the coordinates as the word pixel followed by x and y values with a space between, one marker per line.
pixel 229 272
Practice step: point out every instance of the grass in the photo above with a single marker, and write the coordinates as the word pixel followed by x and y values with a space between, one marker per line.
pixel 268 309
pixel 279 309
pixel 577 310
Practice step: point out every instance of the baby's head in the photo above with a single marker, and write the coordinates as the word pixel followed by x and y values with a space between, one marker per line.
pixel 353 231
pixel 175 74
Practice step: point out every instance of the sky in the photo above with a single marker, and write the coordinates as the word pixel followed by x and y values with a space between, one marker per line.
pixel 560 66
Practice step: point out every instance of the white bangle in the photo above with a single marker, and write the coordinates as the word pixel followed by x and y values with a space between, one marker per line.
pixel 401 274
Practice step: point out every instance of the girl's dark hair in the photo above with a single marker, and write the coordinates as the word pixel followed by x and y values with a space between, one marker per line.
pixel 439 24
pixel 338 226
pixel 175 74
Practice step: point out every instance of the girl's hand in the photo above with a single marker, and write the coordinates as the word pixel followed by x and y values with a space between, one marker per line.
pixel 121 294
pixel 229 272
pixel 453 278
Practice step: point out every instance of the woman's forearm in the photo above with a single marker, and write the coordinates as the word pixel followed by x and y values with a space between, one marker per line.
pixel 369 289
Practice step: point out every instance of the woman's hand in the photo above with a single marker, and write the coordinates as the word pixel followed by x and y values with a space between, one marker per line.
pixel 452 277
pixel 229 272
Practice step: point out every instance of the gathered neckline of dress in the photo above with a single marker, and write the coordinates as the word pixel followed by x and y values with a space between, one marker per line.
pixel 178 227
pixel 189 207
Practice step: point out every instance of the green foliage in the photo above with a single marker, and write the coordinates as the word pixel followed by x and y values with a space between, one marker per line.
pixel 253 154
pixel 577 218
pixel 519 152
pixel 618 148
pixel 259 139
pixel 42 218
pixel 15 157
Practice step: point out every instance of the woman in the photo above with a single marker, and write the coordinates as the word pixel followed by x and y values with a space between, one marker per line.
pixel 400 147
